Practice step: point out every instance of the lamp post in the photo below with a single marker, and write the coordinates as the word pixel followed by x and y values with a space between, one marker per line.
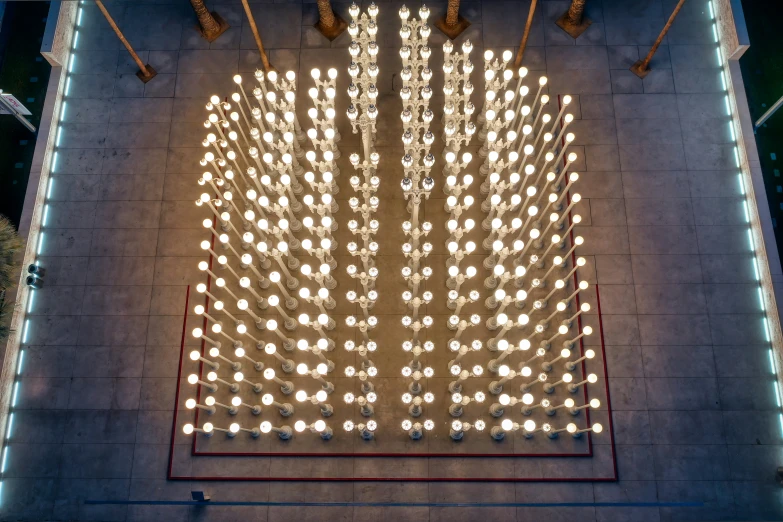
pixel 458 428
pixel 284 432
pixel 285 409
pixel 363 70
pixel 366 431
pixel 319 427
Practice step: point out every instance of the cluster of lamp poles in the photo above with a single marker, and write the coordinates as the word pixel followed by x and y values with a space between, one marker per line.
pixel 512 131
pixel 271 207
pixel 269 263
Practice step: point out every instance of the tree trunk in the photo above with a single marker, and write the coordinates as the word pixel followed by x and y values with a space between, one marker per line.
pixel 576 12
pixel 208 24
pixel 264 59
pixel 525 35
pixel 119 34
pixel 452 13
pixel 326 14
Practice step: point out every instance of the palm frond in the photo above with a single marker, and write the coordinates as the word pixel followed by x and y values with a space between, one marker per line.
pixel 10 246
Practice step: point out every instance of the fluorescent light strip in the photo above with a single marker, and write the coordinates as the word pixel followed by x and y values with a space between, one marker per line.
pixel 9 428
pixel 723 64
pixel 766 328
pixel 15 395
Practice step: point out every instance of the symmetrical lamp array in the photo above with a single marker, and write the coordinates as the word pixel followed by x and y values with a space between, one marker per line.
pixel 270 291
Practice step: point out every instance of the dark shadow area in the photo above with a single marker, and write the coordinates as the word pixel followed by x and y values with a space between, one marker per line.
pixel 762 73
pixel 25 74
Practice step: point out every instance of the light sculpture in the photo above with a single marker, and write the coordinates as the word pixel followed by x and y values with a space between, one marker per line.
pixel 268 188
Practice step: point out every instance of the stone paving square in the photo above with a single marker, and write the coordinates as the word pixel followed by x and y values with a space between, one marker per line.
pixel 694 413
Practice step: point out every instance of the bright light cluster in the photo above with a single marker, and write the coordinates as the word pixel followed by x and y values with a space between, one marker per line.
pixel 515 343
pixel 270 251
pixel 531 286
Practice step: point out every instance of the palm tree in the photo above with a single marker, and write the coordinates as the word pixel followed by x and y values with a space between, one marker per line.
pixel 573 21
pixel 10 249
pixel 212 24
pixel 329 24
pixel 5 321
pixel 10 245
pixel 452 12
pixel 452 24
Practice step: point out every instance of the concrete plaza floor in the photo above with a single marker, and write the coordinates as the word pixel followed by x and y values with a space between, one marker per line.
pixel 694 408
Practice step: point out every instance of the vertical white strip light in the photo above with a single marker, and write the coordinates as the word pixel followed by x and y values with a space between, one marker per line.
pixel 31 294
pixel 723 63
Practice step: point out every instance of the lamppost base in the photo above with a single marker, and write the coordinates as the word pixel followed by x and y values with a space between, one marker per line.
pixel 452 31
pixel 574 31
pixel 636 68
pixel 152 73
pixel 223 27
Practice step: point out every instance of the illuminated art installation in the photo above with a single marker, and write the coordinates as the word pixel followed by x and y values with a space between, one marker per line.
pixel 266 364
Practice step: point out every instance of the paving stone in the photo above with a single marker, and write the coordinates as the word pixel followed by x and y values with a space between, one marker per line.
pixel 665 239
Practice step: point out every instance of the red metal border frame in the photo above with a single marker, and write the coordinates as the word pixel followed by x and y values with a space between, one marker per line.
pixel 588 454
pixel 171 476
